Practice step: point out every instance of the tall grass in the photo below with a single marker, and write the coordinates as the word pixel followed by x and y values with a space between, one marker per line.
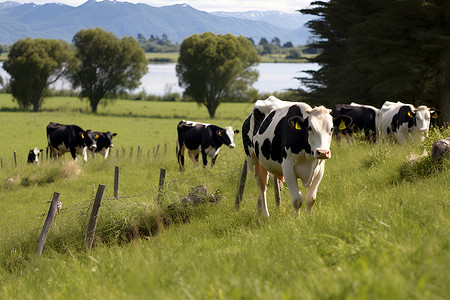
pixel 379 229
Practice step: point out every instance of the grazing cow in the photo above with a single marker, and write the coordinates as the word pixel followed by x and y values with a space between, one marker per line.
pixel 202 138
pixel 104 142
pixel 402 120
pixel 69 138
pixel 290 140
pixel 363 117
pixel 33 155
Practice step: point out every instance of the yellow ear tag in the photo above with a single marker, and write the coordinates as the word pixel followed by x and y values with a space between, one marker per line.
pixel 297 126
pixel 82 136
pixel 220 133
pixel 96 136
pixel 409 114
pixel 342 125
pixel 435 116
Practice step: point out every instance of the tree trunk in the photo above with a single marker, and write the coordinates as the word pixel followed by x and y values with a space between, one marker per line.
pixel 211 110
pixel 444 97
pixel 94 104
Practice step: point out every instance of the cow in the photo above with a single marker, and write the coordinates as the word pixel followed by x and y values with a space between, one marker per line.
pixel 104 142
pixel 33 155
pixel 202 138
pixel 403 120
pixel 363 117
pixel 69 138
pixel 290 140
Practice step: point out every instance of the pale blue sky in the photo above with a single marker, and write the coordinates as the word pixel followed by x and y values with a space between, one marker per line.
pixel 206 5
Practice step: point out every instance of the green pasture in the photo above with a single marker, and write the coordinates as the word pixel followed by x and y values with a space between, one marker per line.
pixel 380 228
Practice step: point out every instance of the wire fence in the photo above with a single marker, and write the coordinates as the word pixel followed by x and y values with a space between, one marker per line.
pixel 70 222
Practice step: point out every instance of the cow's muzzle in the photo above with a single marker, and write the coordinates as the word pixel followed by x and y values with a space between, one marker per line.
pixel 232 146
pixel 322 153
pixel 93 147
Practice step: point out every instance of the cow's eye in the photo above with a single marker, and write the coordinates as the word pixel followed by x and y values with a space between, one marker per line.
pixel 309 128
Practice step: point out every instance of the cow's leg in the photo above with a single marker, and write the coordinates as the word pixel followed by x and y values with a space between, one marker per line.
pixel 311 191
pixel 193 157
pixel 291 182
pixel 213 161
pixel 73 152
pixel 204 158
pixel 180 155
pixel 85 154
pixel 107 152
pixel 261 176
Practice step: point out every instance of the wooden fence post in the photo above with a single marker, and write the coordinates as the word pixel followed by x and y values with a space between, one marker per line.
pixel 48 222
pixel 131 152
pixel 139 151
pixel 157 149
pixel 276 189
pixel 15 159
pixel 94 217
pixel 116 182
pixel 240 193
pixel 162 177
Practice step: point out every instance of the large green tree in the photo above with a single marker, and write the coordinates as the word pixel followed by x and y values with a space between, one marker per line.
pixel 34 64
pixel 378 50
pixel 106 65
pixel 213 67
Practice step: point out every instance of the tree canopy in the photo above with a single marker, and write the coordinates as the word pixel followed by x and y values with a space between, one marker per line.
pixel 212 67
pixel 378 50
pixel 34 64
pixel 106 64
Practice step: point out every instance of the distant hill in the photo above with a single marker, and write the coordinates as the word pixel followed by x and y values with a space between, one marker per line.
pixel 59 21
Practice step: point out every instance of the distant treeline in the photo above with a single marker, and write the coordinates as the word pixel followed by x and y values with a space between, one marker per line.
pixel 264 47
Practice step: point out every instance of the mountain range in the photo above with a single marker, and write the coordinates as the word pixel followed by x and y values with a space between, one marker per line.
pixel 59 21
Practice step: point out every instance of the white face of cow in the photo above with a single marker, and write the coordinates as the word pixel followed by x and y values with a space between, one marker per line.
pixel 423 117
pixel 36 152
pixel 320 131
pixel 230 134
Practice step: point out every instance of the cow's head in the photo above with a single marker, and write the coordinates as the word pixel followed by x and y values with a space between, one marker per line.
pixel 109 139
pixel 226 136
pixel 319 124
pixel 89 139
pixel 33 155
pixel 422 119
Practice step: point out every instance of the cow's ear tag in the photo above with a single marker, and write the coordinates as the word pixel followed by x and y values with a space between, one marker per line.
pixel 297 125
pixel 219 133
pixel 96 136
pixel 435 115
pixel 342 125
pixel 82 136
pixel 410 114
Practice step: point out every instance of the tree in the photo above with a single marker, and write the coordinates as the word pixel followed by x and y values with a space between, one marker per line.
pixel 106 65
pixel 378 50
pixel 211 67
pixel 34 64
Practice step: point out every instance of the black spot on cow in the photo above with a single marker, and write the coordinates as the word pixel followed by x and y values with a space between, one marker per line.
pixel 245 137
pixel 258 117
pixel 266 122
pixel 257 149
pixel 266 149
pixel 404 115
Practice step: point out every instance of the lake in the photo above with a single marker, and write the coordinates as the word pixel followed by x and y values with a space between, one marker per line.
pixel 161 78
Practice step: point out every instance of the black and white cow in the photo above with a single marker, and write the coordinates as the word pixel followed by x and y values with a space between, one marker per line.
pixel 403 120
pixel 290 140
pixel 69 138
pixel 33 155
pixel 202 138
pixel 104 142
pixel 363 117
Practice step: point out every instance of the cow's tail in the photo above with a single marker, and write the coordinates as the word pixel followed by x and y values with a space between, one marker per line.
pixel 180 145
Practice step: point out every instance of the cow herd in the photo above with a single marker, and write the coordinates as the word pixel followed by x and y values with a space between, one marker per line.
pixel 290 140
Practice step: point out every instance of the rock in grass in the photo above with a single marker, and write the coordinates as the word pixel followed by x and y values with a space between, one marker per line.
pixel 441 149
pixel 199 194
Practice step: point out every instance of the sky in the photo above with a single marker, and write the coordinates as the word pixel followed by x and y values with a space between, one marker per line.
pixel 205 5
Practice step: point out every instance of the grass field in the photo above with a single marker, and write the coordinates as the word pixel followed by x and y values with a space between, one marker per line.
pixel 380 228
